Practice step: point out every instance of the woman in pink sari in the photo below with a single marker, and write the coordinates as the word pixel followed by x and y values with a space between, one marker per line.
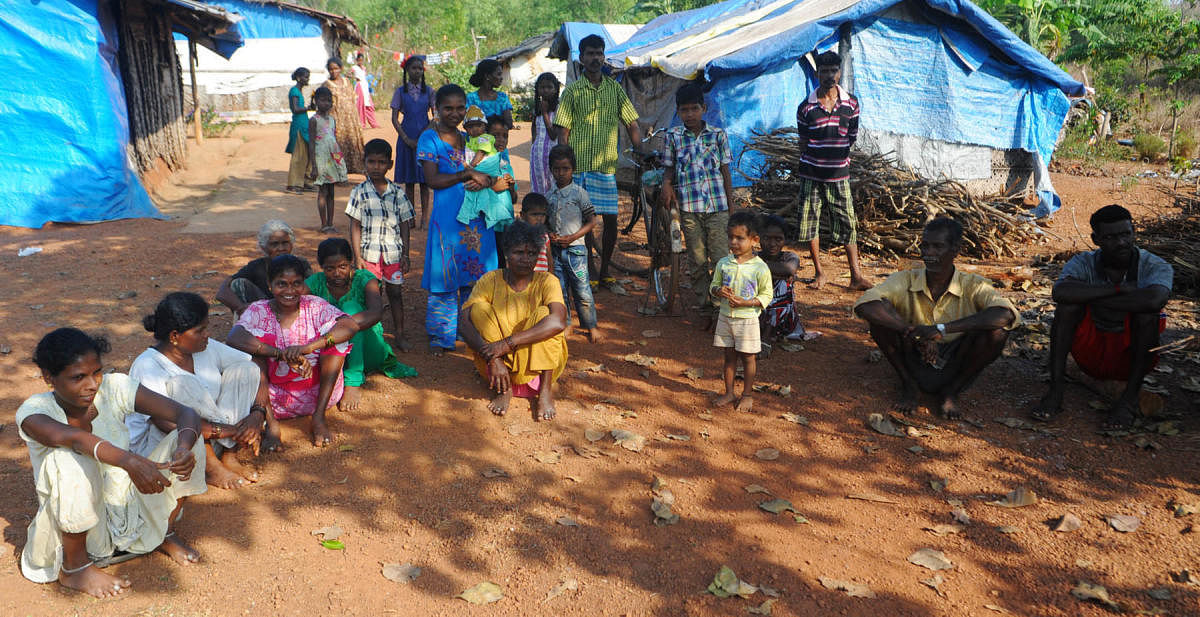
pixel 300 342
pixel 364 102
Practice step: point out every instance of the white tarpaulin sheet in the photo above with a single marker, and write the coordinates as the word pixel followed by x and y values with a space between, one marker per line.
pixel 260 63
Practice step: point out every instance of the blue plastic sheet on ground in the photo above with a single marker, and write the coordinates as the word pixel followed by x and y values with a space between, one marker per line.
pixel 65 129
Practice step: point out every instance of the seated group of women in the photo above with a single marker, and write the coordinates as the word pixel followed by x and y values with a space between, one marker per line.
pixel 115 456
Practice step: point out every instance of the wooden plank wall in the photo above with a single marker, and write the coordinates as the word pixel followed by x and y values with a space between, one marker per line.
pixel 153 88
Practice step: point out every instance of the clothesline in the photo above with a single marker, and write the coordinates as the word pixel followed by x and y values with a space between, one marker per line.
pixel 440 57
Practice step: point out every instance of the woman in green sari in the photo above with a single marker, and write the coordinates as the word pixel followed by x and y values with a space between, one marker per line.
pixel 357 293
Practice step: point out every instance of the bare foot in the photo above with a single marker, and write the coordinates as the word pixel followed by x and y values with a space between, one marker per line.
pixel 593 335
pixel 818 281
pixel 436 351
pixel 1049 407
pixel 907 403
pixel 230 461
pixel 543 410
pixel 402 344
pixel 321 436
pixel 499 405
pixel 93 582
pixel 1121 416
pixel 218 475
pixel 709 324
pixel 351 398
pixel 859 283
pixel 178 550
pixel 272 441
pixel 949 408
pixel 724 399
pixel 746 404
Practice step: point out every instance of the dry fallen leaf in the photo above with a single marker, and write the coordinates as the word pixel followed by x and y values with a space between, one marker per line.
pixel 566 521
pixel 756 488
pixel 1123 523
pixel 1017 499
pixel 883 424
pixel 679 437
pixel 662 512
pixel 595 368
pixel 960 516
pixel 594 435
pixel 1069 522
pixel 944 530
pixel 1008 529
pixel 726 584
pixel 930 558
pixel 761 609
pixel 651 333
pixel 494 472
pixel 766 454
pixel 1184 509
pixel 549 458
pixel 693 373
pixel 998 609
pixel 794 417
pixel 639 359
pixel 1187 578
pixel 561 588
pixel 935 584
pixel 775 506
pixel 1087 591
pixel 628 440
pixel 870 497
pixel 854 590
pixel 331 532
pixel 586 451
pixel 483 593
pixel 939 484
pixel 401 573
pixel 1161 593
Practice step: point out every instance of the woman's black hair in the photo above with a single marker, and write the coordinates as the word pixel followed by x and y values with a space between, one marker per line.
pixel 65 346
pixel 332 247
pixel 298 72
pixel 448 91
pixel 482 70
pixel 404 67
pixel 178 311
pixel 334 60
pixel 521 233
pixel 547 76
pixel 281 264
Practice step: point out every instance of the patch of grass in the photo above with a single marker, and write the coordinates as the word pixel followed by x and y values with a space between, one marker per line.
pixel 1075 146
pixel 1149 147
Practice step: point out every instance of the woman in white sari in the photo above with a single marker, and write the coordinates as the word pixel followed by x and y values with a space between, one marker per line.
pixel 221 383
pixel 97 501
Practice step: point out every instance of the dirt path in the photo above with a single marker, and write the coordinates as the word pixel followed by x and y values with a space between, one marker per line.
pixel 407 481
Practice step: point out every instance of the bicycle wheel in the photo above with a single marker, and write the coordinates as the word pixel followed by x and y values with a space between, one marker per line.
pixel 664 261
pixel 628 217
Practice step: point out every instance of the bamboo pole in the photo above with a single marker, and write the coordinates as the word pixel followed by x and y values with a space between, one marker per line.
pixel 199 122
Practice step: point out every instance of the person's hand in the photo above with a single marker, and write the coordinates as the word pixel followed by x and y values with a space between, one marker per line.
pixel 248 431
pixel 146 474
pixel 727 293
pixel 182 463
pixel 477 181
pixel 362 264
pixel 668 198
pixel 560 241
pixel 924 333
pixel 405 264
pixel 294 354
pixel 501 380
pixel 503 183
pixel 496 349
pixel 543 107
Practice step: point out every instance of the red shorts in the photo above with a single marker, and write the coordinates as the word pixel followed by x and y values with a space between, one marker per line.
pixel 1106 355
pixel 388 273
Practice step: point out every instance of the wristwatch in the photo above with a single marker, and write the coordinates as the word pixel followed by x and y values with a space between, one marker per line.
pixel 941 328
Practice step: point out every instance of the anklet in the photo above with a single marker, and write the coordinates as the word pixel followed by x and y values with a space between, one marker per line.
pixel 79 569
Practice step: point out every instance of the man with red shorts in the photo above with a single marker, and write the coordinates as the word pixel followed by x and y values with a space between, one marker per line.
pixel 1108 315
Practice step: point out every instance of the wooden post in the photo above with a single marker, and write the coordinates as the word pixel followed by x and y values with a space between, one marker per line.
pixel 195 100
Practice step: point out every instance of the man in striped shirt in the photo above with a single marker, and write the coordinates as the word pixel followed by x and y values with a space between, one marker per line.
pixel 827 122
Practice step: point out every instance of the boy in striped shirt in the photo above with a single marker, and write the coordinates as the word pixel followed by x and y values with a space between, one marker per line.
pixel 827 123
pixel 533 211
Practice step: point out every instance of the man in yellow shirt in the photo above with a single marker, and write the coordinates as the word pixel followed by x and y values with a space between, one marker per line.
pixel 937 327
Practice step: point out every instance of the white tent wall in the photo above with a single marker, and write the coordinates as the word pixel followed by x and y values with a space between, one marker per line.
pixel 522 70
pixel 254 82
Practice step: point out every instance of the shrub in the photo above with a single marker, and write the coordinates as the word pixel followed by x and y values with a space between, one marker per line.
pixel 1111 100
pixel 1185 144
pixel 1150 147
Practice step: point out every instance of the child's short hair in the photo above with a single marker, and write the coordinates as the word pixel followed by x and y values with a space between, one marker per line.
pixel 769 221
pixel 498 120
pixel 744 218
pixel 322 92
pixel 689 94
pixel 562 152
pixel 377 146
pixel 534 200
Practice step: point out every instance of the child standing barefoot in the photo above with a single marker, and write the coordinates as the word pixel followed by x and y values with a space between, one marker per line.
pixel 328 166
pixel 742 283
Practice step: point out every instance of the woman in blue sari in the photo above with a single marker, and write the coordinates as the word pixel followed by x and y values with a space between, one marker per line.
pixel 456 255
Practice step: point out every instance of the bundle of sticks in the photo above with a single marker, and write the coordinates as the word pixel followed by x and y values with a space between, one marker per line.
pixel 1174 238
pixel 893 203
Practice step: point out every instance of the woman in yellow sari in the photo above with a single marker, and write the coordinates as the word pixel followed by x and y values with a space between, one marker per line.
pixel 347 129
pixel 514 322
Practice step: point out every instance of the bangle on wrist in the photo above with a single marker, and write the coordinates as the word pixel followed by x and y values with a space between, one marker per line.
pixel 329 341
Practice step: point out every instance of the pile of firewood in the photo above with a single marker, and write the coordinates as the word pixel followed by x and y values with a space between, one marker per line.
pixel 893 203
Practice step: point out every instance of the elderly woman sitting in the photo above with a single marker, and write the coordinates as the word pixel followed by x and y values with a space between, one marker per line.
pixel 221 383
pixel 300 343
pixel 250 284
pixel 514 322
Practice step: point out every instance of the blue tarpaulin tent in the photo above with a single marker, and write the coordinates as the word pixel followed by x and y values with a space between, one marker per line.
pixel 940 82
pixel 65 129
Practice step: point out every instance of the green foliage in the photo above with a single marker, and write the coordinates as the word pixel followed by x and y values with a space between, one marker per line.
pixel 645 10
pixel 522 106
pixel 1075 145
pixel 1111 100
pixel 1149 147
pixel 1185 145
pixel 453 72
pixel 212 124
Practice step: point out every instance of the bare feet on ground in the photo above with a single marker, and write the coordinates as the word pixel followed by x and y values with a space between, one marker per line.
pixel 230 461
pixel 178 550
pixel 401 343
pixel 218 475
pixel 907 403
pixel 543 407
pixel 746 404
pixel 1121 415
pixel 93 582
pixel 593 335
pixel 351 398
pixel 499 405
pixel 818 281
pixel 321 436
pixel 859 283
pixel 724 399
pixel 1049 406
pixel 949 409
pixel 271 441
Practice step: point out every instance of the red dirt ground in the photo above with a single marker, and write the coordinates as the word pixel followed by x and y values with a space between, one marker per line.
pixel 406 481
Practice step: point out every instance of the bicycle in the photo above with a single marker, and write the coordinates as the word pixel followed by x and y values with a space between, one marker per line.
pixel 664 237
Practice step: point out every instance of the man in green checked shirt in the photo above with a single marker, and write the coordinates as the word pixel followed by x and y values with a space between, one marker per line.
pixel 589 113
